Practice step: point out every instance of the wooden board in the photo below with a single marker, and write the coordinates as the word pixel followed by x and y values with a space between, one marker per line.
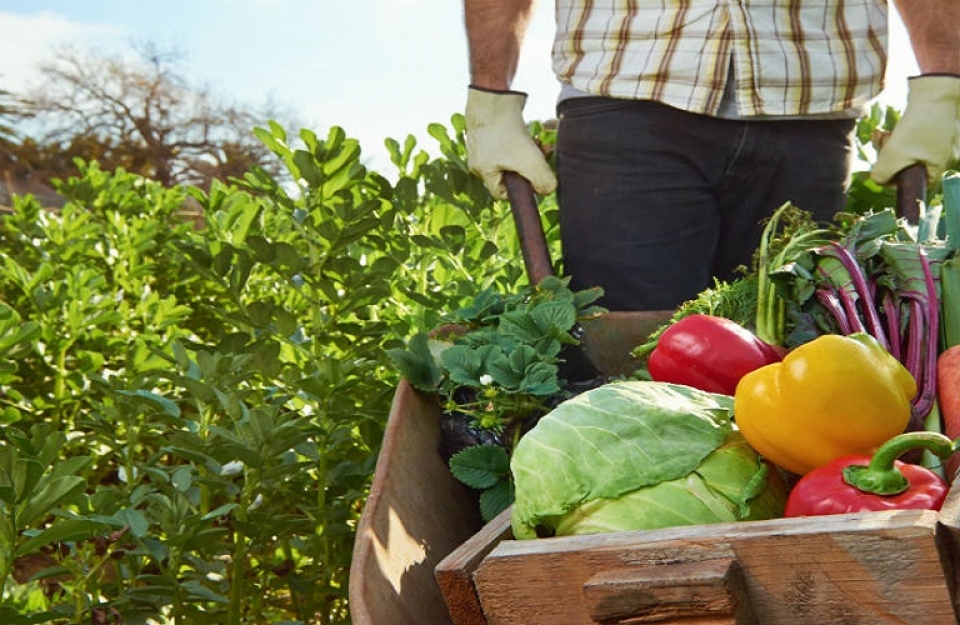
pixel 455 572
pixel 609 339
pixel 948 541
pixel 416 514
pixel 845 569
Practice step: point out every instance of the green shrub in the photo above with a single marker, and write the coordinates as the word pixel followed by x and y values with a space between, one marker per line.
pixel 192 415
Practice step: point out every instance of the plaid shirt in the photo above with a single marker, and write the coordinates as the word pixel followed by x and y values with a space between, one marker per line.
pixel 789 57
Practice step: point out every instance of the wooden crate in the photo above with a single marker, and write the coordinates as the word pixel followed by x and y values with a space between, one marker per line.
pixel 422 556
pixel 868 568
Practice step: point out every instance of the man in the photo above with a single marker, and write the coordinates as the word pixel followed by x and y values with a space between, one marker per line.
pixel 684 123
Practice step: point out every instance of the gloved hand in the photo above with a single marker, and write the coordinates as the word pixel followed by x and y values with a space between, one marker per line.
pixel 927 133
pixel 498 141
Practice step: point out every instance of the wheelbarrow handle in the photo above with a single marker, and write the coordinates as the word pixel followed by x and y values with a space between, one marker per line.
pixel 576 365
pixel 911 191
pixel 526 216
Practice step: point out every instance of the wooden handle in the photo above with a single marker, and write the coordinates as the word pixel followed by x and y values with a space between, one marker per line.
pixel 911 191
pixel 526 216
pixel 709 591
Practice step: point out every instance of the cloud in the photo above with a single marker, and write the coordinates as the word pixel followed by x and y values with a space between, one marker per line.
pixel 27 40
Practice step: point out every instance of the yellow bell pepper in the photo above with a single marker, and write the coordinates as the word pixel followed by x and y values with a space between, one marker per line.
pixel 834 396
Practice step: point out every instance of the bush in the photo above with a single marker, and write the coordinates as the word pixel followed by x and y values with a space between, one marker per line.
pixel 192 415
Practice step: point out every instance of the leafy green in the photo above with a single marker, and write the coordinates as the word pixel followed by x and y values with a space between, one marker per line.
pixel 507 351
pixel 950 269
pixel 480 466
pixel 595 450
pixel 731 484
pixel 485 468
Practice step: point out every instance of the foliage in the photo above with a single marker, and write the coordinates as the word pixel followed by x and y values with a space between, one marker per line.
pixel 485 468
pixel 192 413
pixel 496 368
pixel 505 348
pixel 863 194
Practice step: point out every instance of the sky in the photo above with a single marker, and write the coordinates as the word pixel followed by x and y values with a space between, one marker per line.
pixel 376 68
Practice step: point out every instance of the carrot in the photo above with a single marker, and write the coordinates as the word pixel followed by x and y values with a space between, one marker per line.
pixel 948 396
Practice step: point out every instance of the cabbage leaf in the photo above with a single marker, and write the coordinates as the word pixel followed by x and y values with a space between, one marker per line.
pixel 610 441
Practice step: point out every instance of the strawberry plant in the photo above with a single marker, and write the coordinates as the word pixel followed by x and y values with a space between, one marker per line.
pixel 496 368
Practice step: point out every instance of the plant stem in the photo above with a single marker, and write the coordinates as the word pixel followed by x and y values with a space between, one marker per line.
pixel 239 563
pixel 8 532
pixel 237 571
pixel 60 385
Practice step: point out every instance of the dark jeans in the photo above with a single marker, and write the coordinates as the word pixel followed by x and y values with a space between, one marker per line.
pixel 655 202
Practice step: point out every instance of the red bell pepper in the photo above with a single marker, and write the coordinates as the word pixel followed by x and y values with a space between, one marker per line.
pixel 870 483
pixel 709 353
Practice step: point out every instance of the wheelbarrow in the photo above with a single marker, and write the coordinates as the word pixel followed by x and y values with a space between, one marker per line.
pixel 423 556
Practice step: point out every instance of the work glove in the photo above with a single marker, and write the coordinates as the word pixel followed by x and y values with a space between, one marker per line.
pixel 927 133
pixel 498 141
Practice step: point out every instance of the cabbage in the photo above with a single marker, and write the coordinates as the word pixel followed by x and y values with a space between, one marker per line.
pixel 639 455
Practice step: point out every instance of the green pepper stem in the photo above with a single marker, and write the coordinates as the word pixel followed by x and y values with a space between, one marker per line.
pixel 881 477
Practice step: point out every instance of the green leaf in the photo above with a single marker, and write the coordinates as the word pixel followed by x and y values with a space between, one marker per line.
pixel 220 511
pixel 63 530
pixel 541 379
pixel 307 168
pixel 16 336
pixel 554 317
pixel 182 478
pixel 167 406
pixel 264 250
pixel 196 590
pixel 520 325
pixel 52 492
pixel 480 466
pixel 25 476
pixel 508 370
pixel 495 500
pixel 288 258
pixel 135 520
pixel 465 363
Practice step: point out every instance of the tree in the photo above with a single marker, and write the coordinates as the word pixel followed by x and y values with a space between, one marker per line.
pixel 142 115
pixel 10 112
pixel 7 111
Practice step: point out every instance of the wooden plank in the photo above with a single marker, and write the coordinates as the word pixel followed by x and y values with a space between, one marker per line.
pixel 844 569
pixel 415 515
pixel 455 572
